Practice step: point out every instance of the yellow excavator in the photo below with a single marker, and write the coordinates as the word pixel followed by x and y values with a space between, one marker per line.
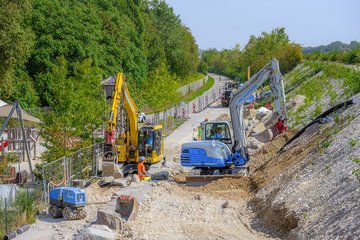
pixel 126 140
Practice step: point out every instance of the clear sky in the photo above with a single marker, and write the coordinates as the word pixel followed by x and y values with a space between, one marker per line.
pixel 223 23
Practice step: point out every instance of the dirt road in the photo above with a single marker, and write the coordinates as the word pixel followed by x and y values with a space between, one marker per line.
pixel 185 132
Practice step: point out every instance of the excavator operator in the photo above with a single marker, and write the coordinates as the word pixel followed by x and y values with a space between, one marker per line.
pixel 218 134
pixel 148 143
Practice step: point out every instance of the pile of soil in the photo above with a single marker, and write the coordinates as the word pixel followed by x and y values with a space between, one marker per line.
pixel 96 194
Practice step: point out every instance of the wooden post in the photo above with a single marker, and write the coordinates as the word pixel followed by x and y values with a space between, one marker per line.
pixel 35 147
pixel 23 144
pixel 2 146
pixel 248 73
pixel 28 140
pixel 14 139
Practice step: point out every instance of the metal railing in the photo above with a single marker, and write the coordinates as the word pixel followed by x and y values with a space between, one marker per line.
pixel 82 164
pixel 184 110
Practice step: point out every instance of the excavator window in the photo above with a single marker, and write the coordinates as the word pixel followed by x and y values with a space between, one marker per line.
pixel 146 143
pixel 157 142
pixel 218 131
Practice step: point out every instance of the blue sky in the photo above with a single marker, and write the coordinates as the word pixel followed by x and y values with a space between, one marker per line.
pixel 223 23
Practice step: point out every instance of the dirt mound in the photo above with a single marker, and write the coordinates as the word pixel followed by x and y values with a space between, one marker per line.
pixel 179 178
pixel 273 220
pixel 231 188
pixel 97 194
pixel 263 155
pixel 269 164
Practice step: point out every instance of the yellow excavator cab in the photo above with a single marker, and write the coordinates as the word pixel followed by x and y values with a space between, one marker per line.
pixel 151 143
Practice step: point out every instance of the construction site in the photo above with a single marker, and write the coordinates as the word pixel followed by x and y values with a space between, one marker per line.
pixel 171 141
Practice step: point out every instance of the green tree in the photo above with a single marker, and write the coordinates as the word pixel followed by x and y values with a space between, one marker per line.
pixel 77 108
pixel 154 90
pixel 257 52
pixel 16 41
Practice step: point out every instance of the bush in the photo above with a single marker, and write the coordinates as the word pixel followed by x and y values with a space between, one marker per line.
pixel 20 211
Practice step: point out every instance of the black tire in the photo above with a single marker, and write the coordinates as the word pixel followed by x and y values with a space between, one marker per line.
pixel 54 211
pixel 69 214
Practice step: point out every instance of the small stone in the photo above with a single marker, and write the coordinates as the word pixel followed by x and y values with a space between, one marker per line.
pixel 225 204
pixel 197 197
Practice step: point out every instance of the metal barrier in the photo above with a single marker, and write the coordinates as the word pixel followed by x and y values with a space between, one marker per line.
pixel 82 164
pixel 183 110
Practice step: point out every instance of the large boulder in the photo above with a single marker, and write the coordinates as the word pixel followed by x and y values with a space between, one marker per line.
pixel 108 217
pixel 96 232
pixel 295 102
pixel 122 182
pixel 135 178
pixel 262 112
pixel 163 175
pixel 106 181
pixel 249 113
pixel 260 127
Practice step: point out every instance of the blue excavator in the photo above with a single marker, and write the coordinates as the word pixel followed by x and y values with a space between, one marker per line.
pixel 219 155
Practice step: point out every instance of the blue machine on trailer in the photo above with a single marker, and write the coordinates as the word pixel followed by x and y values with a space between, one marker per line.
pixel 67 202
pixel 211 157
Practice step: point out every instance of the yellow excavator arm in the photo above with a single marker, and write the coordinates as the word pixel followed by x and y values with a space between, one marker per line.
pixel 130 138
pixel 126 149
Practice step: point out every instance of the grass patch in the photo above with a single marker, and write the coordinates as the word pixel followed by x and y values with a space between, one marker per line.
pixel 353 142
pixel 356 171
pixel 324 145
pixel 316 81
pixel 192 95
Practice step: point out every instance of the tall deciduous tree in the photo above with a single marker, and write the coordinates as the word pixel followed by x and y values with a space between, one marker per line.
pixel 257 52
pixel 16 41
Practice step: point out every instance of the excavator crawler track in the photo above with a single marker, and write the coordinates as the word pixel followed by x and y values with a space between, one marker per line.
pixel 199 177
